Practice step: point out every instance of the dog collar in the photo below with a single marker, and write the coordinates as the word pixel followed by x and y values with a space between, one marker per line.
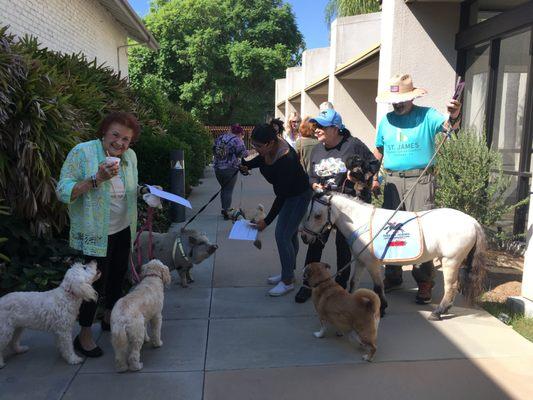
pixel 147 275
pixel 318 284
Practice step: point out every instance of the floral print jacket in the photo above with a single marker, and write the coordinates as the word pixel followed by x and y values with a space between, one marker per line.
pixel 89 213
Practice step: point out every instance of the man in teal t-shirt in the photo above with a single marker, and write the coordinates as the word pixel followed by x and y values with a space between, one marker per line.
pixel 405 143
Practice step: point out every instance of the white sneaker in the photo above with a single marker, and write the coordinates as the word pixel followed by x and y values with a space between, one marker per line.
pixel 274 280
pixel 280 289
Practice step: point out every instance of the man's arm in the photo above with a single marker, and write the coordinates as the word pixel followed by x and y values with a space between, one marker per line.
pixel 454 109
pixel 378 153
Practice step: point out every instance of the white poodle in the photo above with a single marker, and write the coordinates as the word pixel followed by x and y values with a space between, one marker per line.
pixel 132 313
pixel 52 311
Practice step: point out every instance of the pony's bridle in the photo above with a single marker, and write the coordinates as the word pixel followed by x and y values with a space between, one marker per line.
pixel 327 226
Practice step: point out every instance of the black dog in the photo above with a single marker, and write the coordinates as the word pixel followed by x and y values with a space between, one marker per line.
pixel 360 170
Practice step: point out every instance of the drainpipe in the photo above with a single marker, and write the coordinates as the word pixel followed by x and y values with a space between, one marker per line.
pixel 127 45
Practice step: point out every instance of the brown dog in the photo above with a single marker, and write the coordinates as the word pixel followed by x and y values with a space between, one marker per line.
pixel 356 312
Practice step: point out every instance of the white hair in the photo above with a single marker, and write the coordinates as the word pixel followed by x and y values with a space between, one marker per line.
pixel 327 105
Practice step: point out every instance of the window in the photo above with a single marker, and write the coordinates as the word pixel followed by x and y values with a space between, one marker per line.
pixel 511 89
pixel 477 81
pixel 495 58
pixel 482 10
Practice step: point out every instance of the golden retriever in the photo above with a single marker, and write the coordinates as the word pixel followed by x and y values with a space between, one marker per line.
pixel 356 312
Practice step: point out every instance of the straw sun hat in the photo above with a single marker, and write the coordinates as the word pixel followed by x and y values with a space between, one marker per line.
pixel 400 89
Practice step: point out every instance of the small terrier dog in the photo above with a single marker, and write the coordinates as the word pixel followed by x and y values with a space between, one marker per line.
pixel 133 313
pixel 354 313
pixel 360 170
pixel 238 214
pixel 52 311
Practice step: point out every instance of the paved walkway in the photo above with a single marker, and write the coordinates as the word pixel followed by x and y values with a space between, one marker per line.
pixel 224 338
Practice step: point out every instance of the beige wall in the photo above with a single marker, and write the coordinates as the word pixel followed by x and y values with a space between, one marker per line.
pixel 419 39
pixel 354 98
pixel 352 35
pixel 280 96
pixel 311 102
pixel 294 80
pixel 315 65
pixel 69 26
pixel 281 90
pixel 293 84
pixel 279 112
pixel 355 102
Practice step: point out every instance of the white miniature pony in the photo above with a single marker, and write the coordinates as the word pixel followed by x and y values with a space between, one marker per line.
pixel 448 235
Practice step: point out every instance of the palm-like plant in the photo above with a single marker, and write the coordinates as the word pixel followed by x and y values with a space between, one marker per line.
pixel 4 210
pixel 344 8
pixel 54 102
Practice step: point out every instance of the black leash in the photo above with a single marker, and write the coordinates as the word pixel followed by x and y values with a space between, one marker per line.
pixel 210 200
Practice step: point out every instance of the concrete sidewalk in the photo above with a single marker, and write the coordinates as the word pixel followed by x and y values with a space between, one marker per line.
pixel 224 338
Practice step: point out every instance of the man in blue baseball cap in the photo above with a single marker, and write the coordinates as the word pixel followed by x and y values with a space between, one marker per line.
pixel 335 141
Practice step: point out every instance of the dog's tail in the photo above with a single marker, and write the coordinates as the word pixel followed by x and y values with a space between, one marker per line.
pixel 119 337
pixel 368 300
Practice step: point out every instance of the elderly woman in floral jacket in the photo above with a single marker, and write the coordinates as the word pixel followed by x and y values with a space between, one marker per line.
pixel 99 182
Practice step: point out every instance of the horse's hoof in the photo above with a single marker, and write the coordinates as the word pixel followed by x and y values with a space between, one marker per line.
pixel 434 317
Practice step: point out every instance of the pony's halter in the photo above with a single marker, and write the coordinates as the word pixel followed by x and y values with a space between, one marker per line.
pixel 327 226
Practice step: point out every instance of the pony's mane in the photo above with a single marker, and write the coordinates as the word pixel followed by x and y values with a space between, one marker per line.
pixel 351 198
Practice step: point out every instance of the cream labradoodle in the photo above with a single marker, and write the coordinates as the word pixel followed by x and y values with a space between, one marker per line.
pixel 134 312
pixel 52 311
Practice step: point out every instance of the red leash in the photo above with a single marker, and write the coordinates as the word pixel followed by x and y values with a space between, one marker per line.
pixel 146 227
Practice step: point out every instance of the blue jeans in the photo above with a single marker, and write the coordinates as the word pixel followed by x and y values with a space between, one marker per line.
pixel 227 177
pixel 289 218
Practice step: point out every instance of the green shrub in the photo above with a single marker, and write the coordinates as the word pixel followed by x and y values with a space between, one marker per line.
pixel 185 127
pixel 4 210
pixel 153 154
pixel 36 137
pixel 35 263
pixel 470 178
pixel 52 101
pixel 49 102
pixel 190 135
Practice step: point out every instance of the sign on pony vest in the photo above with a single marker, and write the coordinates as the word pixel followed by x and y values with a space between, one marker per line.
pixel 401 238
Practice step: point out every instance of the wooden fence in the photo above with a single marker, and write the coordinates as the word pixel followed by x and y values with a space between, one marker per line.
pixel 217 130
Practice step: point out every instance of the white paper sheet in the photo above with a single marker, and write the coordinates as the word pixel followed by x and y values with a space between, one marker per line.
pixel 243 230
pixel 169 196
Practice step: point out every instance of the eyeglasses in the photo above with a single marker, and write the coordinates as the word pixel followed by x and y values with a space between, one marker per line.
pixel 258 145
pixel 295 122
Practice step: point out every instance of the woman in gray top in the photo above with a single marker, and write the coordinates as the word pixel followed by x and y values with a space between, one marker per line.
pixel 335 142
pixel 305 143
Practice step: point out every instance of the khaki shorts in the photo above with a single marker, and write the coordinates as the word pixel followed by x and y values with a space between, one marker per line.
pixel 421 198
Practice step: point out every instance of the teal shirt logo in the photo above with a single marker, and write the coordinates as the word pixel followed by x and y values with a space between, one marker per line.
pixel 408 141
